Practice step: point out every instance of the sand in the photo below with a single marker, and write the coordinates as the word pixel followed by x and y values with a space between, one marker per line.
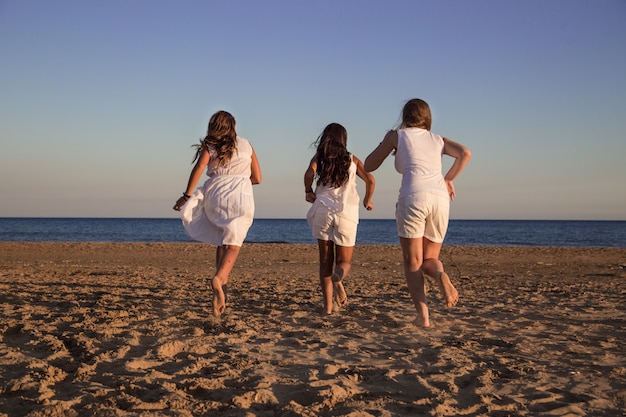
pixel 125 330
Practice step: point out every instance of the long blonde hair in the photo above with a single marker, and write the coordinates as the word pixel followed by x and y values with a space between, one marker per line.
pixel 221 136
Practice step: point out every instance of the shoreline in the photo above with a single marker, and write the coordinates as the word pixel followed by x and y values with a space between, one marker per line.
pixel 125 329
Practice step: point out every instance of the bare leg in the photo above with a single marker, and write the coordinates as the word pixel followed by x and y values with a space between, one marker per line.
pixel 225 264
pixel 327 259
pixel 343 261
pixel 219 252
pixel 412 255
pixel 434 267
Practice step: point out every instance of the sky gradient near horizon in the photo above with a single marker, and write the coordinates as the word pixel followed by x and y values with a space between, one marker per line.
pixel 101 101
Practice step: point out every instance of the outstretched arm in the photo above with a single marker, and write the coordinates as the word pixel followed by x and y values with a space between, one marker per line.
pixel 370 183
pixel 194 177
pixel 461 156
pixel 382 151
pixel 309 176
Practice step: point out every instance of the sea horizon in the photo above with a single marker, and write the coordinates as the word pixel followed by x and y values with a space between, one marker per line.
pixel 472 232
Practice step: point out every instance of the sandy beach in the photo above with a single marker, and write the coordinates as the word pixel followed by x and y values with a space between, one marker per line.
pixel 125 329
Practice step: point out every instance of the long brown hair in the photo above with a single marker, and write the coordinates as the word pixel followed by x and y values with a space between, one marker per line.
pixel 221 136
pixel 332 156
pixel 416 113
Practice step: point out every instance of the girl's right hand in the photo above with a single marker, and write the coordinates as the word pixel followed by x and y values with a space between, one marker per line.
pixel 179 203
pixel 310 197
pixel 451 191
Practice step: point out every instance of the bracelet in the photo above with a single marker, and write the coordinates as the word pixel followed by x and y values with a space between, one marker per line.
pixel 186 196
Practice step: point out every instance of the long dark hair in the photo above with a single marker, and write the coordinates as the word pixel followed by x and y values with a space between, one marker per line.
pixel 332 156
pixel 221 136
pixel 416 113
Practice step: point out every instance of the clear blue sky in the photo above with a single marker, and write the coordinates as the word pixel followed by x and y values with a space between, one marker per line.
pixel 101 101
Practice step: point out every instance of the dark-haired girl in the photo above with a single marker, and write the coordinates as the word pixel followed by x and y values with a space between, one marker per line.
pixel 334 215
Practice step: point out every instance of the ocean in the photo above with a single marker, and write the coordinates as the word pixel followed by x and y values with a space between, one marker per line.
pixel 460 232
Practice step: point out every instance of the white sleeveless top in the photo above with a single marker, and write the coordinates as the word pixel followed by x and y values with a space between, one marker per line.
pixel 418 159
pixel 239 164
pixel 343 200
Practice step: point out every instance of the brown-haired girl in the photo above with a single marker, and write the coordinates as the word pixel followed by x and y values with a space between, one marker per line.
pixel 334 215
pixel 221 211
pixel 423 207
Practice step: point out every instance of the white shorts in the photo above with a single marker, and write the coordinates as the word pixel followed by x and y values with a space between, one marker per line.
pixel 423 215
pixel 330 226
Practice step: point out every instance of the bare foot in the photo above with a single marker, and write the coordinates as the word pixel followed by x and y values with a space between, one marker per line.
pixel 339 294
pixel 219 298
pixel 420 322
pixel 337 275
pixel 450 294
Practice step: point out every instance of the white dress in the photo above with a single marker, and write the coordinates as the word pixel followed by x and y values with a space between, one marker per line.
pixel 221 211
